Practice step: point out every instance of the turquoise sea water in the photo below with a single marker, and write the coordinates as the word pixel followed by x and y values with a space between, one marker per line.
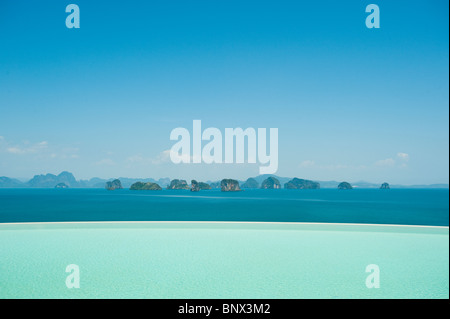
pixel 253 254
pixel 373 206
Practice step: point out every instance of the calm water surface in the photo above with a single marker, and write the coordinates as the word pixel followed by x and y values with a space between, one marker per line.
pixel 395 206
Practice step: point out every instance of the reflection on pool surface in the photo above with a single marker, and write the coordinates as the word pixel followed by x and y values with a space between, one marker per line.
pixel 222 260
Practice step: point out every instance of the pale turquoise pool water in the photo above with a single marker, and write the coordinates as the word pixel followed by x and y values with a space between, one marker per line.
pixel 222 260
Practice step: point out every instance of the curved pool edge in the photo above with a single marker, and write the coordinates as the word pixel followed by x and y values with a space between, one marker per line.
pixel 303 226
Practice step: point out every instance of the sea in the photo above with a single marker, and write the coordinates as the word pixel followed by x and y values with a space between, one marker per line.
pixel 360 206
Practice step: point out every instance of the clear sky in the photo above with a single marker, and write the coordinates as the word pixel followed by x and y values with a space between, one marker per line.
pixel 350 103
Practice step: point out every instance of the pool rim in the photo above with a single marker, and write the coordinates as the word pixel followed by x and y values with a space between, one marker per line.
pixel 221 222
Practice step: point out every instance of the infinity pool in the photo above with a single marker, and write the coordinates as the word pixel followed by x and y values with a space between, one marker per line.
pixel 222 260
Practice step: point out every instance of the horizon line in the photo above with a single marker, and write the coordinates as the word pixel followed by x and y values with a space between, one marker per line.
pixel 25 180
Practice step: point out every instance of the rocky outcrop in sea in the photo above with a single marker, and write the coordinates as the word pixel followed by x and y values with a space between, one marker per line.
pixel 229 185
pixel 345 185
pixel 115 184
pixel 178 184
pixel 198 186
pixel 194 186
pixel 149 186
pixel 385 186
pixel 271 183
pixel 297 183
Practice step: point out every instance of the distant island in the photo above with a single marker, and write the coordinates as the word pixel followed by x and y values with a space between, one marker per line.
pixel 61 185
pixel 178 184
pixel 297 183
pixel 271 183
pixel 6 182
pixel 385 186
pixel 145 186
pixel 229 185
pixel 115 184
pixel 196 186
pixel 67 178
pixel 345 185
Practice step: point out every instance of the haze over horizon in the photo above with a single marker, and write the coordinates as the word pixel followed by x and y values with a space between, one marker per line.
pixel 350 103
pixel 283 179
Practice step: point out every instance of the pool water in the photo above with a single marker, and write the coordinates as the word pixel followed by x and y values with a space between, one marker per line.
pixel 222 260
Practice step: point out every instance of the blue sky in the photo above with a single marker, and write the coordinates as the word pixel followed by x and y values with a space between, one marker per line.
pixel 350 103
